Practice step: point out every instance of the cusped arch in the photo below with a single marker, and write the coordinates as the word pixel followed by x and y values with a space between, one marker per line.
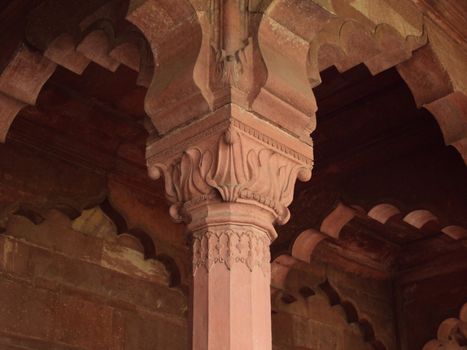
pixel 101 221
pixel 90 236
pixel 346 43
pixel 296 297
pixel 434 88
pixel 289 289
pixel 337 219
pixel 352 315
pixel 451 334
pixel 23 78
pixel 301 38
pixel 146 244
pixel 345 34
pixel 106 39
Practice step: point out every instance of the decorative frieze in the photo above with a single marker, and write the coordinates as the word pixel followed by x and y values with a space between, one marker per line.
pixel 229 247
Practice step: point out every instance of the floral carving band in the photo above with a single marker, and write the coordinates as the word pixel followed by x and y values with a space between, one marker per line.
pixel 228 247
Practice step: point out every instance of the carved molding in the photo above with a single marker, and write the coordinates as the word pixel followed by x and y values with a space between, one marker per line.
pixel 229 247
pixel 232 161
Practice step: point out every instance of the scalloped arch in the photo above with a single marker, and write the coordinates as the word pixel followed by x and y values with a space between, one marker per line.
pixel 375 34
pixel 297 299
pixel 451 334
pixel 101 37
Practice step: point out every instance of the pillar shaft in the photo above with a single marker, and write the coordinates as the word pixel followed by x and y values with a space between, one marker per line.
pixel 231 276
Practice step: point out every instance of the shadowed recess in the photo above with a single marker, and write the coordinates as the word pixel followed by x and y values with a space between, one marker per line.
pixel 351 315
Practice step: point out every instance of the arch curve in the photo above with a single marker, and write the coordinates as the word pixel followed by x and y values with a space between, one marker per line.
pixel 103 36
pixel 346 34
pixel 451 334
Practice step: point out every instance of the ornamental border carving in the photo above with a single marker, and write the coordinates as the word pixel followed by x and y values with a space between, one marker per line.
pixel 271 142
pixel 184 145
pixel 226 124
pixel 229 247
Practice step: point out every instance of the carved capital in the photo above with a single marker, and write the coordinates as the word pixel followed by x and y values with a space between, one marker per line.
pixel 230 156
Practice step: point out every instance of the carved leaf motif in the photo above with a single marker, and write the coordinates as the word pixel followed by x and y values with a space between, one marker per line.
pixel 235 168
pixel 192 172
pixel 230 247
pixel 229 176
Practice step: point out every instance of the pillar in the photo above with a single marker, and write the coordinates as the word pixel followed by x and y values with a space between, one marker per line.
pixel 230 177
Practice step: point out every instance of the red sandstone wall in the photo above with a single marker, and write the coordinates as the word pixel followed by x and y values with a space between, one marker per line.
pixel 426 302
pixel 63 289
pixel 320 327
